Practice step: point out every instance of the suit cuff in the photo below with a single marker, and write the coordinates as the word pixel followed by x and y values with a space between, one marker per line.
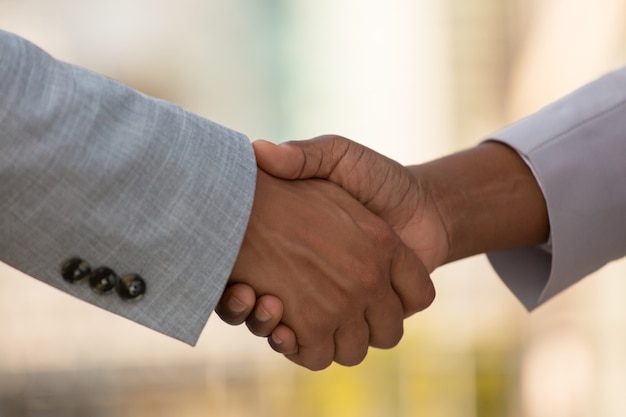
pixel 575 148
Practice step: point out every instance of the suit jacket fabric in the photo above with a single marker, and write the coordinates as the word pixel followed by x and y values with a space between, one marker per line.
pixel 91 168
pixel 577 150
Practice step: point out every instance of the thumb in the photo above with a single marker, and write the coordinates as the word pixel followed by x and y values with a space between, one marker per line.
pixel 373 179
pixel 315 158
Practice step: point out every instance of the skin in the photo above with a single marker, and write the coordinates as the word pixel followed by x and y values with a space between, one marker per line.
pixel 345 279
pixel 479 200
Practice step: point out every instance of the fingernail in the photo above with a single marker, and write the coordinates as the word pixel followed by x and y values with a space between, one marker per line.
pixel 261 314
pixel 235 305
pixel 276 339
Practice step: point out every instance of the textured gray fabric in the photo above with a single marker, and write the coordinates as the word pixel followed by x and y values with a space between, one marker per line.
pixel 577 149
pixel 91 168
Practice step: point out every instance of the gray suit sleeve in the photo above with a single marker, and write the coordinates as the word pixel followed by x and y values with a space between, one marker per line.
pixel 577 150
pixel 92 169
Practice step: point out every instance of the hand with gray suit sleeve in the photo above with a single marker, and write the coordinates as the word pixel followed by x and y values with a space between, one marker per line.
pixel 486 199
pixel 126 186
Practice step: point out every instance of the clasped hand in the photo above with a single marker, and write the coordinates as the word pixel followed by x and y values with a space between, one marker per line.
pixel 337 252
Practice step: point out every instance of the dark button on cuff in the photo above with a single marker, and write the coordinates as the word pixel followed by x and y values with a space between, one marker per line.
pixel 103 280
pixel 131 287
pixel 75 269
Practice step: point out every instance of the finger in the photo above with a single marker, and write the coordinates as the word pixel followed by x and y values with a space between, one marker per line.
pixel 313 357
pixel 316 158
pixel 266 315
pixel 385 320
pixel 351 343
pixel 373 179
pixel 236 304
pixel 411 281
pixel 279 161
pixel 316 349
pixel 283 340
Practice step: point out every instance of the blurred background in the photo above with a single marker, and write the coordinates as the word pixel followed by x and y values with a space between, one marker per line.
pixel 412 79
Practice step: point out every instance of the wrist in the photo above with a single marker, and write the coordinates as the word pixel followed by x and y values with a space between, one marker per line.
pixel 488 200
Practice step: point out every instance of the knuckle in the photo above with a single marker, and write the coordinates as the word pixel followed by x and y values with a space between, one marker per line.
pixel 322 321
pixel 420 299
pixel 338 145
pixel 427 297
pixel 371 280
pixel 315 363
pixel 390 340
pixel 380 233
pixel 352 360
pixel 321 364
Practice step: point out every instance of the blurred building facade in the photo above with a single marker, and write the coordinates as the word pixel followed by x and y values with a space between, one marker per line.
pixel 411 79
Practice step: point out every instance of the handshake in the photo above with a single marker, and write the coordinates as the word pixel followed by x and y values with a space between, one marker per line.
pixel 341 240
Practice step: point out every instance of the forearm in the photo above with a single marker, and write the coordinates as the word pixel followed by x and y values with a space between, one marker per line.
pixel 577 148
pixel 91 168
pixel 488 199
